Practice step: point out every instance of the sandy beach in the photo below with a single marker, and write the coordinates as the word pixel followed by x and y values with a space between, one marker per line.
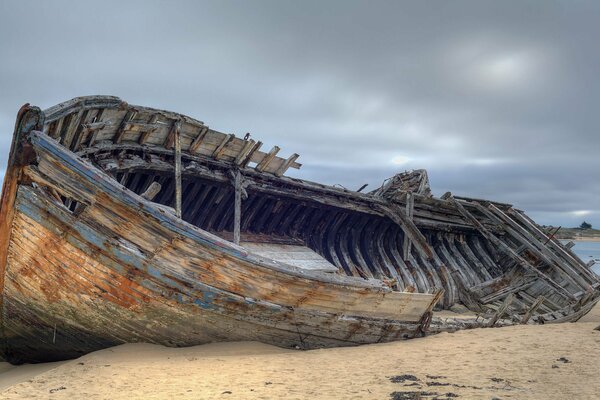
pixel 522 362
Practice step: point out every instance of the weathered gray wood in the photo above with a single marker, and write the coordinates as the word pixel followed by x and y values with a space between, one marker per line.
pixel 281 170
pixel 501 310
pixel 264 163
pixel 197 142
pixel 510 252
pixel 148 129
pixel 129 116
pixel 541 250
pixel 243 153
pixel 177 134
pixel 152 191
pixel 245 161
pixel 221 148
pixel 238 207
pixel 569 244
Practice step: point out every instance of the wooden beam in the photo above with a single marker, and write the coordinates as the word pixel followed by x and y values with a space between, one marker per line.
pixel 222 146
pixel 152 191
pixel 237 218
pixel 129 115
pixel 410 203
pixel 264 163
pixel 254 149
pixel 148 129
pixel 540 249
pixel 174 131
pixel 508 251
pixel 177 134
pixel 286 164
pixel 500 312
pixel 538 302
pixel 248 145
pixel 197 142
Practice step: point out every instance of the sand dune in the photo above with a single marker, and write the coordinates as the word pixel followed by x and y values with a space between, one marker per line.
pixel 523 362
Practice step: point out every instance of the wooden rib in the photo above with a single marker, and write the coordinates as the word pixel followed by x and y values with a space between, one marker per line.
pixel 248 145
pixel 218 153
pixel 284 167
pixel 151 127
pixel 532 309
pixel 541 251
pixel 174 131
pixel 74 126
pixel 129 115
pixel 500 312
pixel 197 142
pixel 244 163
pixel 82 130
pixel 95 127
pixel 510 252
pixel 264 163
pixel 57 129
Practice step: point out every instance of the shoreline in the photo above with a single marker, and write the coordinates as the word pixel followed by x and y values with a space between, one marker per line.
pixel 553 361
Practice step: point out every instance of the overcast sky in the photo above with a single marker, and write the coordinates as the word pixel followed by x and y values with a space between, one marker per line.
pixel 497 100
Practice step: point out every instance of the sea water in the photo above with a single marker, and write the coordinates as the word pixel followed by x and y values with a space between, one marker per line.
pixel 587 251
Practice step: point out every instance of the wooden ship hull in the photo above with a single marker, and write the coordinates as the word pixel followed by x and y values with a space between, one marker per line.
pixel 122 223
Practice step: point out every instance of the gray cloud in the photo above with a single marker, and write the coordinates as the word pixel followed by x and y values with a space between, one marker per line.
pixel 496 99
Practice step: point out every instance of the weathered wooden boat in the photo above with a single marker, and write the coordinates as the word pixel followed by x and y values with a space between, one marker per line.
pixel 122 223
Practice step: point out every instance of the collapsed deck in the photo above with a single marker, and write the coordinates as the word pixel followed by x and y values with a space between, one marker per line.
pixel 398 241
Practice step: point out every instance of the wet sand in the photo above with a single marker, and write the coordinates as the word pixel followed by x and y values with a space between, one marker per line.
pixel 522 362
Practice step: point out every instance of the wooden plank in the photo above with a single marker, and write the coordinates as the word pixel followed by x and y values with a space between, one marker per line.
pixel 174 131
pixel 149 129
pixel 129 115
pixel 538 302
pixel 253 150
pixel 264 163
pixel 287 163
pixel 197 142
pixel 296 255
pixel 541 250
pixel 501 310
pixel 243 153
pixel 508 251
pixel 221 148
pixel 94 127
pixel 74 125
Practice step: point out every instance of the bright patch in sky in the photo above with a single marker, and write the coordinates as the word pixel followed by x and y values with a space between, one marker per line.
pixel 581 213
pixel 506 69
pixel 400 160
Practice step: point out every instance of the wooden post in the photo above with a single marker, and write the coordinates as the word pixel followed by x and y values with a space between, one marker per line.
pixel 237 217
pixel 178 171
pixel 410 201
pixel 152 191
pixel 536 304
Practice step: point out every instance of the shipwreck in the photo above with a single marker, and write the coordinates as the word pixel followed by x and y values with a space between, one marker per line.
pixel 121 223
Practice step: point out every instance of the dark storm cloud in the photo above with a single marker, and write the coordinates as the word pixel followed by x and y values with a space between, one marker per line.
pixel 496 99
